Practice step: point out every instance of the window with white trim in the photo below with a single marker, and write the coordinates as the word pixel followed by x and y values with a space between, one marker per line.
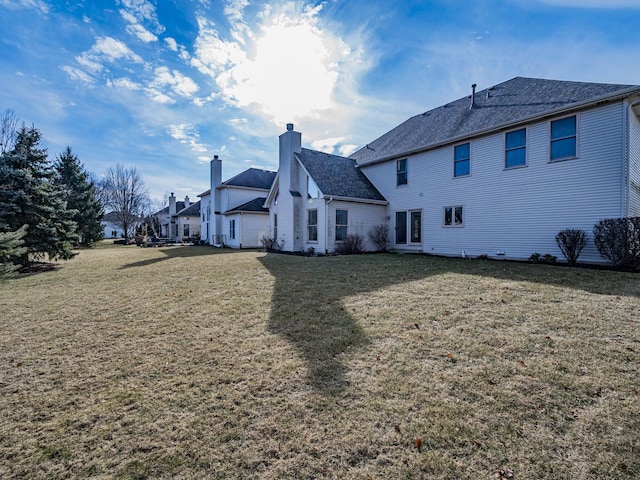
pixel 462 160
pixel 515 148
pixel 401 172
pixel 232 229
pixel 453 216
pixel 312 225
pixel 563 138
pixel 342 224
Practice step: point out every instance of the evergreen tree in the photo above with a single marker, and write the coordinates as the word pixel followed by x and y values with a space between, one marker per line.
pixel 80 194
pixel 10 249
pixel 28 196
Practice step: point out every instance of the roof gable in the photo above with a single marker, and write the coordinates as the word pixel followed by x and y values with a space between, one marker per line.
pixel 337 176
pixel 252 178
pixel 512 102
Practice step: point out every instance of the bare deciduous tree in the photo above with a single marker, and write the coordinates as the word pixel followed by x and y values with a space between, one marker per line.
pixel 8 130
pixel 124 193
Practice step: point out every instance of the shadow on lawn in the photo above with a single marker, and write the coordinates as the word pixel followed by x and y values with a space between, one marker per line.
pixel 178 252
pixel 307 304
pixel 307 308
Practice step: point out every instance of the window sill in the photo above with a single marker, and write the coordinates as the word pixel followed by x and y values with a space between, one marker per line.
pixel 461 176
pixel 515 167
pixel 563 159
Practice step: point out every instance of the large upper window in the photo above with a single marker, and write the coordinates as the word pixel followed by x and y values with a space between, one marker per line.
pixel 453 216
pixel 342 218
pixel 515 152
pixel 312 225
pixel 401 172
pixel 563 138
pixel 462 160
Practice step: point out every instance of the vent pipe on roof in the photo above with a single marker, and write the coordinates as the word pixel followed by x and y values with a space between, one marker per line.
pixel 473 96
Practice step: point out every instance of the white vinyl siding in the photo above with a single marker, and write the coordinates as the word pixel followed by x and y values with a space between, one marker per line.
pixel 633 134
pixel 515 211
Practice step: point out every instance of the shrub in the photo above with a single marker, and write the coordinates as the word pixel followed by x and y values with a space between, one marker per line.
pixel 379 235
pixel 353 243
pixel 618 240
pixel 271 244
pixel 571 242
pixel 546 258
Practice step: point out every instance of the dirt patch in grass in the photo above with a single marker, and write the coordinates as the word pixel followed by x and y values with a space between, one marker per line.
pixel 190 362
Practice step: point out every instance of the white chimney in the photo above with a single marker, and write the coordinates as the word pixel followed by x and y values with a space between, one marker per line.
pixel 172 205
pixel 186 201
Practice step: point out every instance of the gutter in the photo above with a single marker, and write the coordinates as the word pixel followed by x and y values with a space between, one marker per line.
pixel 549 113
pixel 355 200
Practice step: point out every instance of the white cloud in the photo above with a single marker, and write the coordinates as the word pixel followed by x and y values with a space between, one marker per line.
pixel 111 50
pixel 171 44
pixel 142 18
pixel 77 74
pixel 180 84
pixel 186 133
pixel 287 68
pixel 124 83
pixel 38 5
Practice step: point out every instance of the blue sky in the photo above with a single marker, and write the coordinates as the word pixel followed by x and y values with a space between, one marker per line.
pixel 163 85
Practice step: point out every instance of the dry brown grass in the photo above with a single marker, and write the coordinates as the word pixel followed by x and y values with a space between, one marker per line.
pixel 190 362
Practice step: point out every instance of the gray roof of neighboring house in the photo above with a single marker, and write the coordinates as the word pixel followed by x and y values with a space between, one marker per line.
pixel 165 210
pixel 112 217
pixel 512 102
pixel 252 178
pixel 256 205
pixel 338 176
pixel 192 210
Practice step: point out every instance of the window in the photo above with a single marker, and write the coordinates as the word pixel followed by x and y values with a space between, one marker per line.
pixel 342 217
pixel 275 226
pixel 453 216
pixel 312 188
pixel 312 225
pixel 515 150
pixel 401 227
pixel 413 230
pixel 401 172
pixel 185 230
pixel 232 229
pixel 563 138
pixel 416 227
pixel 114 234
pixel 462 160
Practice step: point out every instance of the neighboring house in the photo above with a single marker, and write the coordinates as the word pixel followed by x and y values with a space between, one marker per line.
pixel 112 228
pixel 232 212
pixel 179 221
pixel 497 173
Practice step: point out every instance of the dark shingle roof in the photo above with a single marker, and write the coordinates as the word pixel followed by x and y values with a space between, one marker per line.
pixel 511 102
pixel 338 176
pixel 253 178
pixel 255 205
pixel 192 210
pixel 165 210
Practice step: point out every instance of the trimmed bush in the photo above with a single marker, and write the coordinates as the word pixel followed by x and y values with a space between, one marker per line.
pixel 379 235
pixel 353 243
pixel 571 242
pixel 271 244
pixel 618 240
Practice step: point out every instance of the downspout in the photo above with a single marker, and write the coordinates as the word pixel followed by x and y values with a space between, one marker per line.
pixel 326 225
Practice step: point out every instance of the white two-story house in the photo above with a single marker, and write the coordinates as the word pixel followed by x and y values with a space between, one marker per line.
pixel 497 173
pixel 233 212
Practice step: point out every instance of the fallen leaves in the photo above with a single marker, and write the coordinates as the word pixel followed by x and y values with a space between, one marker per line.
pixel 418 443
pixel 504 474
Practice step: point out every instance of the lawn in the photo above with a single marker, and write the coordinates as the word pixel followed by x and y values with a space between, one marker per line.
pixel 191 362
